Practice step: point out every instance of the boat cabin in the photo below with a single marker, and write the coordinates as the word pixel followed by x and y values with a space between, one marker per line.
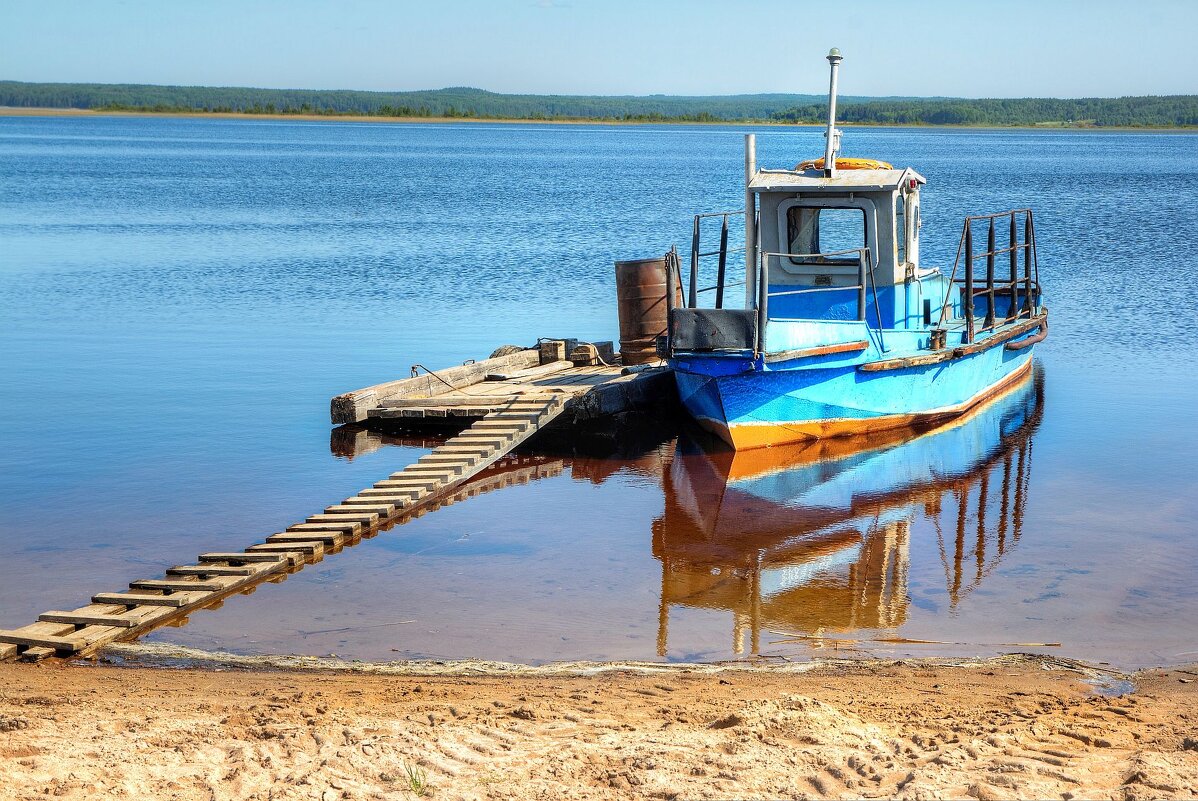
pixel 833 256
pixel 817 232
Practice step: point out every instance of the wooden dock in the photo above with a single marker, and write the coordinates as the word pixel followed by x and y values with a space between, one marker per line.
pixel 502 402
pixel 592 384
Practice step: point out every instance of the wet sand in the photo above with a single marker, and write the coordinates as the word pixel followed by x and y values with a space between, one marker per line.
pixel 1004 728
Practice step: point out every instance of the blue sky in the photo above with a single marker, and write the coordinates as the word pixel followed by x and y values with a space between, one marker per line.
pixel 1012 48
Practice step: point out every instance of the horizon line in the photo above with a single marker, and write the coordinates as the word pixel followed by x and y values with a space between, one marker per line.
pixel 842 98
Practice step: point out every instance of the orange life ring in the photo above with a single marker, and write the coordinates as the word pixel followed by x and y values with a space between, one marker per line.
pixel 845 164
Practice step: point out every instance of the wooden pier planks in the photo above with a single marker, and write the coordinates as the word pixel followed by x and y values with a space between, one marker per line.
pixel 411 491
pixel 505 391
pixel 590 392
pixel 352 406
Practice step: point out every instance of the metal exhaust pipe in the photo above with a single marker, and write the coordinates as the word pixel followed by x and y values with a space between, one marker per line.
pixel 832 135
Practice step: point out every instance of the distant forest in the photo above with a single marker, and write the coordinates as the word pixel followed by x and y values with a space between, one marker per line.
pixel 462 102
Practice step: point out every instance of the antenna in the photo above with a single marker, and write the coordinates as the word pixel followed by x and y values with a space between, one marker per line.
pixel 832 135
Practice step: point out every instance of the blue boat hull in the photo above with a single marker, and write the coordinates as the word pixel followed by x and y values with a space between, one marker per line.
pixel 758 407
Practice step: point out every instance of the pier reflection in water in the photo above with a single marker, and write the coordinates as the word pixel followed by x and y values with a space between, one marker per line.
pixel 815 539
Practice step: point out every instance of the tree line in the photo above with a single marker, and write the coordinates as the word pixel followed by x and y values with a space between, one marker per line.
pixel 465 102
pixel 1174 111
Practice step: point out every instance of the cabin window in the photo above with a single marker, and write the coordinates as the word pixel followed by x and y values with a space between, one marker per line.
pixel 813 232
pixel 900 227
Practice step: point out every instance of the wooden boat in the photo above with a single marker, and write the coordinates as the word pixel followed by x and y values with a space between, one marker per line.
pixel 843 331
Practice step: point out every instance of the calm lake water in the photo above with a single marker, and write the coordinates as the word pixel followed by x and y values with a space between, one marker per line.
pixel 180 298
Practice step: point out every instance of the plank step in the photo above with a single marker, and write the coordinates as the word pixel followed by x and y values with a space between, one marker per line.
pixel 498 439
pixel 448 459
pixel 463 449
pixel 241 557
pixel 299 538
pixel 307 547
pixel 83 619
pixel 437 473
pixel 398 496
pixel 415 482
pixel 402 494
pixel 37 653
pixel 42 640
pixel 356 516
pixel 346 528
pixel 211 570
pixel 422 470
pixel 139 599
pixel 177 584
pixel 377 495
pixel 378 509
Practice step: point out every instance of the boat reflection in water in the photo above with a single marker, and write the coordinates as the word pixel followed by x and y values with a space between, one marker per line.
pixel 815 539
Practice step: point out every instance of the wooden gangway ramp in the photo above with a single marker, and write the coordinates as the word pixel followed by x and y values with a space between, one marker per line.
pixel 429 483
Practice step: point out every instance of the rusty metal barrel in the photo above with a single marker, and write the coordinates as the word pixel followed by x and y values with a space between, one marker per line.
pixel 641 296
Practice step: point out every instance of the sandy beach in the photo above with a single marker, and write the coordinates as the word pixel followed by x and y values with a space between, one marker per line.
pixel 1013 727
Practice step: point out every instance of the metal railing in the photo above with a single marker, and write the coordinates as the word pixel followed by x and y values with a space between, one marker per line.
pixel 1025 306
pixel 864 280
pixel 724 250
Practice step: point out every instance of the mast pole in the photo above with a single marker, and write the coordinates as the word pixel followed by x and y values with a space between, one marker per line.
pixel 750 221
pixel 832 135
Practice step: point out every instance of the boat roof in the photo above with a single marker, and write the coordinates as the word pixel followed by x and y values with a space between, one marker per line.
pixel 814 180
